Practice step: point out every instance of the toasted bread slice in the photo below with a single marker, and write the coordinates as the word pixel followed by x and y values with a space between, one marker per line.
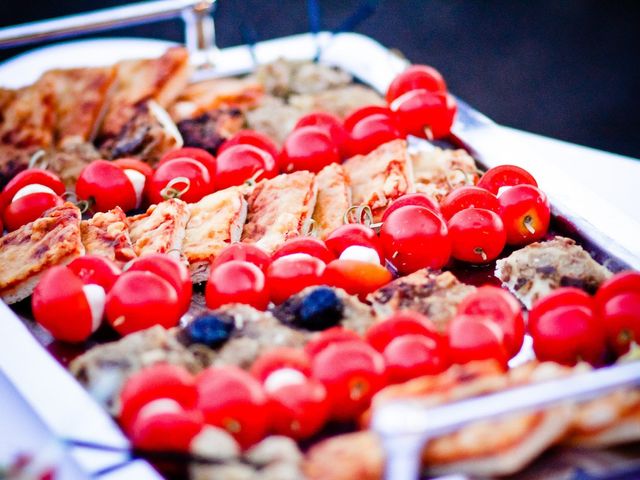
pixel 215 222
pixel 26 253
pixel 279 209
pixel 381 176
pixel 209 130
pixel 161 229
pixel 6 97
pixel 13 160
pixel 334 198
pixel 107 234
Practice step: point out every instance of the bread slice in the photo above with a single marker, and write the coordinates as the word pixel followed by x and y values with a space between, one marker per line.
pixel 107 234
pixel 26 253
pixel 334 199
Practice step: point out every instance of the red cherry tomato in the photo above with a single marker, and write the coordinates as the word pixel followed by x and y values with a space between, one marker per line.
pixel 331 124
pixel 400 323
pixel 251 137
pixel 29 208
pixel 475 337
pixel 31 176
pixel 237 282
pixel 623 282
pixel 134 164
pixel 425 114
pixel 526 214
pixel 244 252
pixel 240 163
pixel 157 381
pixel 232 399
pixel 139 300
pixel 413 238
pixel 59 294
pixel 172 173
pixel 351 234
pixel 352 372
pixel 505 176
pixel 502 308
pixel 621 319
pixel 558 298
pixel 106 186
pixel 329 336
pixel 309 245
pixel 477 235
pixel 418 199
pixel 466 197
pixel 308 148
pixel 300 410
pixel 363 112
pixel 411 356
pixel 278 358
pixel 293 273
pixel 356 277
pixel 1 226
pixel 97 270
pixel 416 77
pixel 370 132
pixel 198 154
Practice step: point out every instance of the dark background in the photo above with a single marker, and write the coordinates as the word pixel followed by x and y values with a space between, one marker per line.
pixel 568 69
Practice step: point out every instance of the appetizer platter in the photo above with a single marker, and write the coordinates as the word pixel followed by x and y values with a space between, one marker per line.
pixel 281 269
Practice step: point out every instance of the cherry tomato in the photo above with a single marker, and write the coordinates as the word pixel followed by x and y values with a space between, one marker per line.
pixel 173 271
pixel 309 245
pixel 411 356
pixel 171 175
pixel 558 298
pixel 418 199
pixel 352 234
pixel 154 382
pixel 477 235
pixel 97 270
pixel 526 214
pixel 505 176
pixel 31 176
pixel 327 337
pixel 293 273
pixel 240 163
pixel 308 148
pixel 502 308
pixel 106 186
pixel 404 322
pixel 621 318
pixel 139 300
pixel 363 112
pixel 29 208
pixel 279 358
pixel 1 226
pixel 476 337
pixel 466 197
pixel 413 238
pixel 251 137
pixel 300 410
pixel 352 372
pixel 331 124
pixel 237 282
pixel 416 77
pixel 356 277
pixel 134 164
pixel 198 154
pixel 623 282
pixel 232 399
pixel 59 293
pixel 370 132
pixel 244 252
pixel 425 114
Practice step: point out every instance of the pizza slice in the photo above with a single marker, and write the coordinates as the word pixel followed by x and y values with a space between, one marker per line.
pixel 107 234
pixel 334 198
pixel 215 222
pixel 280 208
pixel 26 253
pixel 381 176
pixel 161 229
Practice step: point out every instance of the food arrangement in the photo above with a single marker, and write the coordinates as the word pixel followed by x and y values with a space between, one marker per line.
pixel 264 288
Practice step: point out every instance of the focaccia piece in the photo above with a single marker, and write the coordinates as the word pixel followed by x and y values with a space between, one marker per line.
pixel 433 294
pixel 161 229
pixel 340 101
pixel 279 208
pixel 381 176
pixel 107 234
pixel 160 79
pixel 53 239
pixel 6 97
pixel 13 160
pixel 334 198
pixel 215 222
pixel 539 268
pixel 209 130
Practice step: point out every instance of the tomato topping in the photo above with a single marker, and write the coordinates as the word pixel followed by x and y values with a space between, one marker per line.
pixel 198 154
pixel 251 137
pixel 309 245
pixel 106 186
pixel 418 199
pixel 370 132
pixel 413 355
pixel 289 275
pixel 29 208
pixel 413 78
pixel 477 235
pixel 623 282
pixel 363 112
pixel 476 337
pixel 425 114
pixel 505 176
pixel 413 238
pixel 243 162
pixel 237 282
pixel 352 234
pixel 134 164
pixel 308 148
pixel 559 298
pixel 331 124
pixel 183 178
pixel 31 176
pixel 244 252
pixel 405 322
pixel 97 270
pixel 278 358
pixel 466 197
pixel 621 319
pixel 526 214
pixel 356 277
pixel 328 337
